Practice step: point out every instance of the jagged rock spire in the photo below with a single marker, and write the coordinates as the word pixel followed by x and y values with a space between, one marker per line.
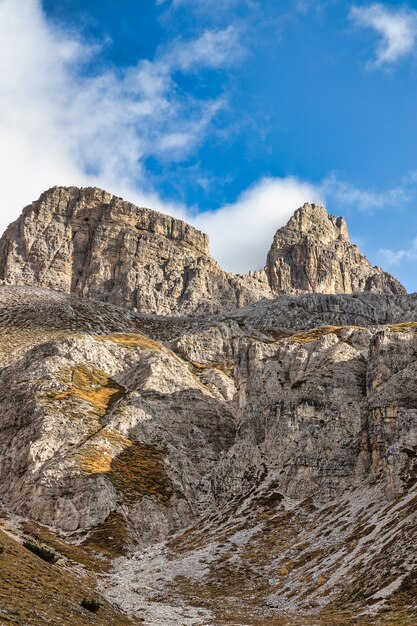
pixel 313 253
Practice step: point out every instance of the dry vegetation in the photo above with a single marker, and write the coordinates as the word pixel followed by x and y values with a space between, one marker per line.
pixel 93 556
pixel 139 471
pixel 321 331
pixel 93 386
pixel 34 593
pixel 404 327
pixel 132 340
pixel 111 538
pixel 96 455
pixel 225 368
pixel 135 469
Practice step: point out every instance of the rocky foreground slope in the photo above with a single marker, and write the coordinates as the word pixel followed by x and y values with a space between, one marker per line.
pixel 253 465
pixel 245 468
pixel 87 242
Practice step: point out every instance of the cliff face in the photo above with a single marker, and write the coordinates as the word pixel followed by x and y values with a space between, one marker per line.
pixel 313 253
pixel 87 242
pixel 245 467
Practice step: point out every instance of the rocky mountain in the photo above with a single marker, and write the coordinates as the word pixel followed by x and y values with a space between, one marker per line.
pixel 246 466
pixel 250 466
pixel 87 242
pixel 313 253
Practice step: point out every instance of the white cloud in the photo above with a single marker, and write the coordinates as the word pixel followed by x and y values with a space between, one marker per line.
pixel 213 49
pixel 345 194
pixel 397 28
pixel 61 126
pixel 396 257
pixel 241 233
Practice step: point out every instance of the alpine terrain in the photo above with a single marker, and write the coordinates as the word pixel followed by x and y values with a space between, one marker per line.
pixel 196 447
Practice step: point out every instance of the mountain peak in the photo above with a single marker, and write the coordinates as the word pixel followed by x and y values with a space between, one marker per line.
pixel 313 253
pixel 313 219
pixel 89 242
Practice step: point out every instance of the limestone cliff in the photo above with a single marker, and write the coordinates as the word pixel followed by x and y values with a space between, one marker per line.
pixel 87 242
pixel 313 253
pixel 272 451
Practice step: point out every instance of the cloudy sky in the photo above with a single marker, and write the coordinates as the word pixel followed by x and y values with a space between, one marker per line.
pixel 229 113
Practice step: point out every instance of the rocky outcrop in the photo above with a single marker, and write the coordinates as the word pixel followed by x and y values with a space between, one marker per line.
pixel 318 405
pixel 313 253
pixel 87 242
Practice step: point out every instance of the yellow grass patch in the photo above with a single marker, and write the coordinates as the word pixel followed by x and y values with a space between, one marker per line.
pixel 133 340
pixel 97 454
pixel 403 327
pixel 92 385
pixel 317 333
pixel 225 368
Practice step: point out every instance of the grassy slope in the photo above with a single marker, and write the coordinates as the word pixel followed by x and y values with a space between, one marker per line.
pixel 33 592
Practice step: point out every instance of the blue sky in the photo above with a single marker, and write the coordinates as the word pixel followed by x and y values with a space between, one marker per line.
pixel 227 113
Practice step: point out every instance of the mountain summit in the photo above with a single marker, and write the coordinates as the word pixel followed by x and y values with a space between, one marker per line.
pixel 88 242
pixel 313 253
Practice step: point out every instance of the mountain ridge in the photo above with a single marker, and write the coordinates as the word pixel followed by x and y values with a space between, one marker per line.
pixel 88 242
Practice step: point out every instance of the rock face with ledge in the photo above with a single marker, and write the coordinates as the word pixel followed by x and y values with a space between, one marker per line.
pixel 88 242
